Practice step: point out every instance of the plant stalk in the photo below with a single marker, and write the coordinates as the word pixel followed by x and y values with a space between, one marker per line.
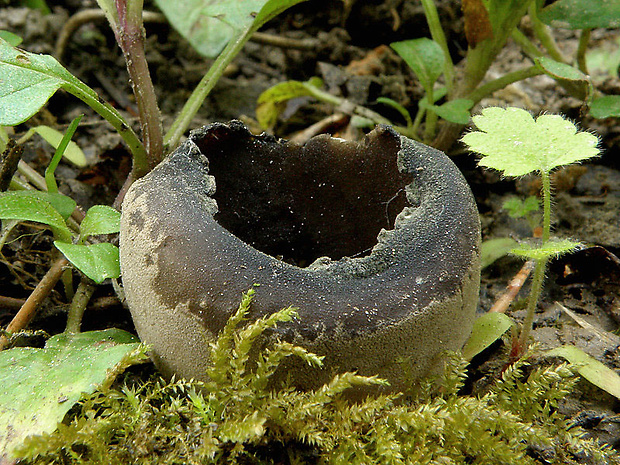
pixel 130 37
pixel 537 283
pixel 544 36
pixel 584 38
pixel 541 265
pixel 507 79
pixel 432 18
pixel 84 292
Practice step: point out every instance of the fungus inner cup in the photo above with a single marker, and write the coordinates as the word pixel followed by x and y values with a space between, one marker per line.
pixel 375 242
pixel 328 198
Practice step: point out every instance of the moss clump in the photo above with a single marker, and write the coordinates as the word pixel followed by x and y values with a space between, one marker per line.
pixel 238 418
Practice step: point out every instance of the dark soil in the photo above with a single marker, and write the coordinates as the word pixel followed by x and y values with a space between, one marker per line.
pixel 587 202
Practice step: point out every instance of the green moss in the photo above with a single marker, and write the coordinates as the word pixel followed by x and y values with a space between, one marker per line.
pixel 238 418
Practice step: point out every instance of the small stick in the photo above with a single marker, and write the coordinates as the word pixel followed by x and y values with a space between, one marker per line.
pixel 513 288
pixel 319 127
pixel 28 310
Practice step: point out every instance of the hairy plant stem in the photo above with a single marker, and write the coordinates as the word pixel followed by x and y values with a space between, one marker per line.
pixel 541 266
pixel 537 283
pixel 130 37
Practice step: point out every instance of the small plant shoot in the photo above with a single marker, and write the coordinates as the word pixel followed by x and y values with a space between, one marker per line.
pixel 510 140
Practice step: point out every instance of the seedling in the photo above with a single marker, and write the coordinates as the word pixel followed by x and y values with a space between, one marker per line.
pixel 510 140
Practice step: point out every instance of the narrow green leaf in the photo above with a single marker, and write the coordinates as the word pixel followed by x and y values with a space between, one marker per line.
pixel 424 56
pixel 73 152
pixel 582 14
pixel 26 206
pixel 100 219
pixel 488 328
pixel 39 386
pixel 511 141
pixel 605 107
pixel 97 261
pixel 591 369
pixel 494 249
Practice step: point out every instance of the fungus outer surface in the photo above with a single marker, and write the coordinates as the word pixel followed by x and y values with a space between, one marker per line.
pixel 376 243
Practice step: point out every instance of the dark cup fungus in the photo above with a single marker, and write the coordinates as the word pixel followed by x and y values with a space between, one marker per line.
pixel 376 243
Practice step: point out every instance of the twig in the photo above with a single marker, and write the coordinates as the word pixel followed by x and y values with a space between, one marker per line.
pixel 319 127
pixel 284 42
pixel 88 16
pixel 513 288
pixel 28 310
pixel 11 302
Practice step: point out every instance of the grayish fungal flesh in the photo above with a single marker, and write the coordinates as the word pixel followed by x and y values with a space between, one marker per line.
pixel 377 245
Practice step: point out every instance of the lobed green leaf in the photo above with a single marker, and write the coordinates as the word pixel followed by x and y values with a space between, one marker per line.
pixel 511 141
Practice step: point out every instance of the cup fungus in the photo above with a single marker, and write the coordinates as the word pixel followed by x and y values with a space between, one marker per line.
pixel 375 242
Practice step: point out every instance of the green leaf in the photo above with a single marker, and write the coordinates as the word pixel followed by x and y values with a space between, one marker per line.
pixel 487 329
pixel 100 219
pixel 511 141
pixel 61 203
pixel 518 208
pixel 39 386
pixel 455 111
pixel 605 107
pixel 28 81
pixel 30 206
pixel 272 101
pixel 569 77
pixel 552 248
pixel 493 249
pixel 591 369
pixel 97 261
pixel 209 25
pixel 425 57
pixel 11 38
pixel 73 153
pixel 582 14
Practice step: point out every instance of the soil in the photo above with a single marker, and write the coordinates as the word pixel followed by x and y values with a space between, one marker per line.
pixel 358 66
